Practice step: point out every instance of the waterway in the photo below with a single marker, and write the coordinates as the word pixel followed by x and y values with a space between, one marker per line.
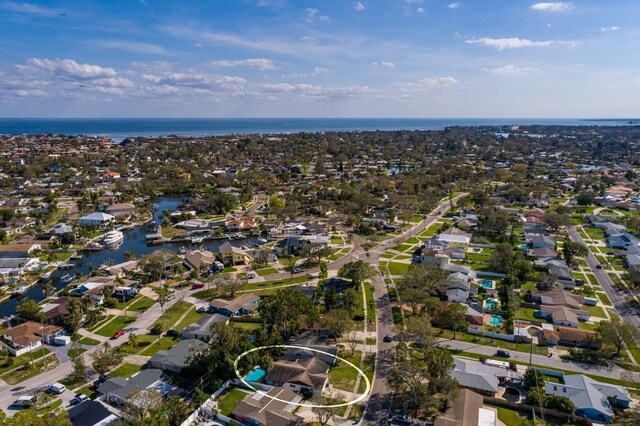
pixel 133 241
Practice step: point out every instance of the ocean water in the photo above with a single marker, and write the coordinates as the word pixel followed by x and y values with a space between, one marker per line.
pixel 119 129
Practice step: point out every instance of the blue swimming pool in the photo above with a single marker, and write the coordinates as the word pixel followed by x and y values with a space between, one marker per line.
pixel 495 320
pixel 486 284
pixel 490 304
pixel 256 375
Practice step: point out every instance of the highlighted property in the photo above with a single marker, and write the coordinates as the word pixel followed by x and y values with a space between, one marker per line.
pixel 343 404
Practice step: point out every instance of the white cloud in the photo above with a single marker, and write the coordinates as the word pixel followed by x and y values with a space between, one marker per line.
pixel 511 70
pixel 316 72
pixel 514 42
pixel 608 29
pixel 191 82
pixel 553 6
pixel 30 93
pixel 259 63
pixel 29 9
pixel 359 6
pixel 385 64
pixel 68 68
pixel 312 14
pixel 310 91
pixel 426 84
pixel 420 9
pixel 131 46
pixel 454 5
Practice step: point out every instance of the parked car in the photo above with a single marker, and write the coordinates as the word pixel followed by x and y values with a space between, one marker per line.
pixel 402 420
pixel 25 401
pixel 173 333
pixel 202 309
pixel 249 276
pixel 118 334
pixel 197 286
pixel 298 269
pixel 387 339
pixel 503 354
pixel 598 266
pixel 56 388
pixel 79 398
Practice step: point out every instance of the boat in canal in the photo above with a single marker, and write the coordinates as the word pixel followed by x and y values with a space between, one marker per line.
pixel 112 238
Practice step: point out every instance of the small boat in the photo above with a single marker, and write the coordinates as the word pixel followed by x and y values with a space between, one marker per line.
pixel 196 240
pixel 152 226
pixel 19 291
pixel 182 249
pixel 113 237
pixel 260 241
pixel 93 246
pixel 66 278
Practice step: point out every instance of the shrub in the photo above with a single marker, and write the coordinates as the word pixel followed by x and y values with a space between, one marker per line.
pixel 158 328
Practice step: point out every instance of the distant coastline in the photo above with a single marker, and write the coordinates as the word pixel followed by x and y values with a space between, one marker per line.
pixel 120 128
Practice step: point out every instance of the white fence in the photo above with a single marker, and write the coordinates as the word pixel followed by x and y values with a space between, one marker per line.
pixel 499 336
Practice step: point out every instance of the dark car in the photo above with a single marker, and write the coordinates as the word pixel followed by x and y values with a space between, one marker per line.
pixel 387 339
pixel 401 420
pixel 197 286
pixel 503 354
pixel 173 333
pixel 598 266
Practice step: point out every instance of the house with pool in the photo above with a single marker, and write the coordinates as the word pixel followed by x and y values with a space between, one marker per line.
pixel 310 374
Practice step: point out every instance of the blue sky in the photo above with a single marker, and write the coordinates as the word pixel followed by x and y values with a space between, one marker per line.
pixel 329 58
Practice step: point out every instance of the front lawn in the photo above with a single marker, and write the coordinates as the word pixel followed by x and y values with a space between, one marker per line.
pixel 266 271
pixel 117 324
pixel 141 304
pixel 343 376
pixel 190 318
pixel 595 311
pixel 126 370
pixel 165 343
pixel 396 268
pixel 172 314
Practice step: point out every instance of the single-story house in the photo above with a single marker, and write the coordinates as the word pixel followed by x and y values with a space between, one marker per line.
pixel 467 410
pixel 59 229
pixel 175 359
pixel 455 237
pixel 56 309
pixel 28 336
pixel 305 373
pixel 121 210
pixel 20 250
pixel 199 259
pixel 435 244
pixel 117 390
pixel 557 298
pixel 91 413
pixel 101 220
pixel 593 399
pixel 201 330
pixel 477 376
pixel 260 409
pixel 540 241
pixel 570 336
pixel 304 352
pixel 561 315
pixel 241 305
pixel 17 266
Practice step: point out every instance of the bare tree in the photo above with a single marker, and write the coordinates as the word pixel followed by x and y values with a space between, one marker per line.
pixel 352 341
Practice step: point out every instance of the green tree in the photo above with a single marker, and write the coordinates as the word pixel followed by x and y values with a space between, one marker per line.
pixel 454 318
pixel 560 403
pixel 502 259
pixel 357 271
pixel 615 333
pixel 105 357
pixel 571 249
pixel 31 418
pixel 533 378
pixel 72 320
pixel 31 311
pixel 79 371
pixel 286 311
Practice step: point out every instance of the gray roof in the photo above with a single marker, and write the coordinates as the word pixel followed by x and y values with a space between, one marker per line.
pixel 475 375
pixel 179 354
pixel 124 388
pixel 203 326
pixel 585 393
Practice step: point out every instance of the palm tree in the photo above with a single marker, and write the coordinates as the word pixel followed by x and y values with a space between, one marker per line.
pixel 47 289
pixel 133 340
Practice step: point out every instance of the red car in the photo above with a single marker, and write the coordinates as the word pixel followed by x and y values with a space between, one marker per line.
pixel 118 334
pixel 197 286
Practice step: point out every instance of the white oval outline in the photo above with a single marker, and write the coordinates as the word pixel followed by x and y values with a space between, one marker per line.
pixel 344 404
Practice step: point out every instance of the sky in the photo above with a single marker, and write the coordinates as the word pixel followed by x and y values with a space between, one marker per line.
pixel 328 58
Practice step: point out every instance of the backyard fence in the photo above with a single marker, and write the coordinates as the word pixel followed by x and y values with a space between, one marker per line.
pixel 564 418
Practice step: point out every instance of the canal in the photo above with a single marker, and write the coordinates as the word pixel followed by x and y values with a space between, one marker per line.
pixel 133 241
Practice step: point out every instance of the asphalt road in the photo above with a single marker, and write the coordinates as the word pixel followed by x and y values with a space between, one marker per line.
pixel 380 399
pixel 617 298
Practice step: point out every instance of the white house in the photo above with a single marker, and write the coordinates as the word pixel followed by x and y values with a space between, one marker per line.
pixel 96 219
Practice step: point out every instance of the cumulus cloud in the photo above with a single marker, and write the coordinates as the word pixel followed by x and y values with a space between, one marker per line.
pixel 420 9
pixel 553 6
pixel 511 70
pixel 316 72
pixel 454 5
pixel 514 42
pixel 194 83
pixel 259 63
pixel 609 29
pixel 385 64
pixel 359 6
pixel 68 68
pixel 426 84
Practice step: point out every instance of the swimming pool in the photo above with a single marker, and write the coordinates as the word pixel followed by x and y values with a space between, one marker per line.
pixel 256 375
pixel 490 304
pixel 495 320
pixel 486 284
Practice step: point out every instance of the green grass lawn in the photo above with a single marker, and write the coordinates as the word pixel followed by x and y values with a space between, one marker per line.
pixel 397 317
pixel 228 401
pixel 343 376
pixel 396 268
pixel 403 247
pixel 369 367
pixel 56 403
pixel 118 323
pixel 170 231
pixel 101 323
pixel 507 416
pixel 172 314
pixel 249 326
pixel 165 343
pixel 527 314
pixel 25 372
pixel 266 271
pixel 191 317
pixel 412 240
pixel 88 341
pixel 18 361
pixel 89 390
pixel 371 304
pixel 141 304
pixel 336 240
pixel 603 298
pixel 126 370
pixel 595 311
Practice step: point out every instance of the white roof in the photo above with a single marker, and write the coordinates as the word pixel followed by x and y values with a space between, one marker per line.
pixel 454 238
pixel 98 216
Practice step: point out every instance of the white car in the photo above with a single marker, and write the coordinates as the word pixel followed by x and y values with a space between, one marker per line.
pixel 57 388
